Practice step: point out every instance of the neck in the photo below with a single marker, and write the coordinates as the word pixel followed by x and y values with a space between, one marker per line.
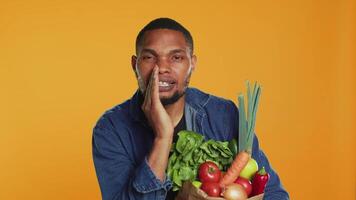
pixel 176 110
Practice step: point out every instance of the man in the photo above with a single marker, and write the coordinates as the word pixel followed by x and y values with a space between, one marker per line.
pixel 132 141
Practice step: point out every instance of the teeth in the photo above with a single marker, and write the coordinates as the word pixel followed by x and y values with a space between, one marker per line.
pixel 163 84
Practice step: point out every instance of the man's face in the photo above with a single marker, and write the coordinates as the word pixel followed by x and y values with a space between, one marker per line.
pixel 168 50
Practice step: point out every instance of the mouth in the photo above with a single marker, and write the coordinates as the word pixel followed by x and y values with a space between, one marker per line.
pixel 166 85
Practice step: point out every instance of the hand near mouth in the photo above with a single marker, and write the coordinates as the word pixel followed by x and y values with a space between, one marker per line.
pixel 156 114
pixel 162 126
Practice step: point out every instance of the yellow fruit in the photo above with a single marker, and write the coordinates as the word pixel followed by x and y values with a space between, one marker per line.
pixel 250 169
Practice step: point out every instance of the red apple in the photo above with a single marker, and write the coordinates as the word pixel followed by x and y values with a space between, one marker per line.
pixel 245 183
pixel 211 188
pixel 209 172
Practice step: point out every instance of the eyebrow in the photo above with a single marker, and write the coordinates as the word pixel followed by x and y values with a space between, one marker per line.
pixel 149 51
pixel 153 52
pixel 177 51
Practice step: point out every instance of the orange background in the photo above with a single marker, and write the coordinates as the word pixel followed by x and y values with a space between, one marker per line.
pixel 62 64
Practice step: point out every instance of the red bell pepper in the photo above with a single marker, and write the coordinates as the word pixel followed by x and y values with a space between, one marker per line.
pixel 259 182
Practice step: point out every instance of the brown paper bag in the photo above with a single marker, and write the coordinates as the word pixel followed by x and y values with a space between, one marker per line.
pixel 189 192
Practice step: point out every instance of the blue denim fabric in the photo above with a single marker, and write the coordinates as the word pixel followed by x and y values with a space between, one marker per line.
pixel 122 140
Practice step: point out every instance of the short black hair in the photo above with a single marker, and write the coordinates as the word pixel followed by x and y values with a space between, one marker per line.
pixel 165 23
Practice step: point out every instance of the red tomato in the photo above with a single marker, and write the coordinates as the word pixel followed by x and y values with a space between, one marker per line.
pixel 209 172
pixel 211 188
pixel 245 183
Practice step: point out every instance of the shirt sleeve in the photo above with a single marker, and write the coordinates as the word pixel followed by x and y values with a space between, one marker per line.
pixel 274 189
pixel 118 175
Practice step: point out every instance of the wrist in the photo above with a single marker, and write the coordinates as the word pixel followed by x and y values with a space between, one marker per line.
pixel 164 139
pixel 164 135
pixel 158 157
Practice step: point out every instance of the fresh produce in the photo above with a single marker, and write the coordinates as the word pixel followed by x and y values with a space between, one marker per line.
pixel 250 169
pixel 211 188
pixel 233 147
pixel 196 184
pixel 234 170
pixel 220 166
pixel 259 182
pixel 190 151
pixel 247 123
pixel 246 135
pixel 234 192
pixel 209 172
pixel 246 184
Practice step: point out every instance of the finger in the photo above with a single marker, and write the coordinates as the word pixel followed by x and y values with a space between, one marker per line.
pixel 148 95
pixel 155 85
pixel 147 99
pixel 148 91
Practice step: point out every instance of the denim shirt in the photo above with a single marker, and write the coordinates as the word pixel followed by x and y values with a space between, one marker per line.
pixel 122 140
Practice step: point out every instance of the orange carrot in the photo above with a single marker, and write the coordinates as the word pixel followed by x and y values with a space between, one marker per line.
pixel 235 168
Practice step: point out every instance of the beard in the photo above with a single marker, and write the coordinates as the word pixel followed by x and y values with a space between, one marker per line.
pixel 174 98
pixel 177 95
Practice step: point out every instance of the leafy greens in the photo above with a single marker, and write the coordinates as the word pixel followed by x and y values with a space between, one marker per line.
pixel 190 151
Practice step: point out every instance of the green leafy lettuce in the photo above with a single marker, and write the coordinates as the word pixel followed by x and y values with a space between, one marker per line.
pixel 191 150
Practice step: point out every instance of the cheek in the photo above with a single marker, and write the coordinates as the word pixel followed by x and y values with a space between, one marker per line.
pixel 183 76
pixel 143 74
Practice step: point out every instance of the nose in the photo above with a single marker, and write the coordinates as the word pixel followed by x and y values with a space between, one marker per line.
pixel 163 66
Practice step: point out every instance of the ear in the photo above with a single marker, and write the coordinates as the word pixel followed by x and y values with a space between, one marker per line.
pixel 133 63
pixel 194 62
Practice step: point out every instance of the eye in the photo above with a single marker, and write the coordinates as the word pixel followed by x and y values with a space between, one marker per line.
pixel 146 57
pixel 177 57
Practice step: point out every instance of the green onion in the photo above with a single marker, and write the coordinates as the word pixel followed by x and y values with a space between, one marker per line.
pixel 247 123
